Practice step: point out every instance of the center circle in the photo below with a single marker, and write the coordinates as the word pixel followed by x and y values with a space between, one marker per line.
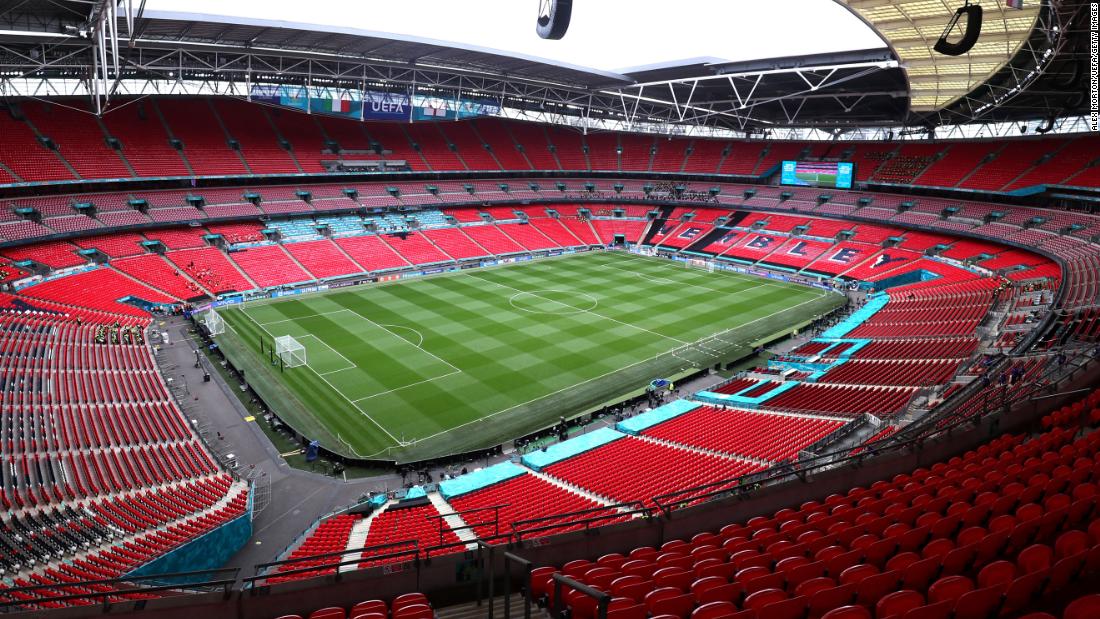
pixel 551 301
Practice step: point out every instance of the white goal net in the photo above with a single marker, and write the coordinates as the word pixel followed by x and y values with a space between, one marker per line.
pixel 290 351
pixel 214 323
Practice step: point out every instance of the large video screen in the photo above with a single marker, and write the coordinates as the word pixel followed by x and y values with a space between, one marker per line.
pixel 831 174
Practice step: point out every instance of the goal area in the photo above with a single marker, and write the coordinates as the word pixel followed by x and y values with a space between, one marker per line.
pixel 290 351
pixel 214 323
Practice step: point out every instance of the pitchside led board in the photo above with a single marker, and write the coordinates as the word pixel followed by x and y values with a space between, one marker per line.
pixel 830 174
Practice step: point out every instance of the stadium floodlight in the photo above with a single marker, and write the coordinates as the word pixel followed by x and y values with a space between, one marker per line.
pixel 214 323
pixel 290 351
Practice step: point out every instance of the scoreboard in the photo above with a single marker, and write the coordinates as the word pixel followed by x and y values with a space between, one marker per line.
pixel 830 174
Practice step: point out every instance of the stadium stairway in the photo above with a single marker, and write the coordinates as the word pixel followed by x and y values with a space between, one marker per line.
pixel 296 261
pixel 436 245
pixel 453 520
pixel 570 487
pixel 357 538
pixel 477 610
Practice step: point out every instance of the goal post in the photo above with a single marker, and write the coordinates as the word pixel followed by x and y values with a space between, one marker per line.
pixel 214 323
pixel 290 351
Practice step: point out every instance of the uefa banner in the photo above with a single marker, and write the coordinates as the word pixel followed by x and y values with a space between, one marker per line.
pixel 372 105
pixel 317 101
pixel 386 106
pixel 436 108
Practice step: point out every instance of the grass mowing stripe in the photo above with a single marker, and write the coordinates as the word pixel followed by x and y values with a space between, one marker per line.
pixel 449 363
pixel 340 393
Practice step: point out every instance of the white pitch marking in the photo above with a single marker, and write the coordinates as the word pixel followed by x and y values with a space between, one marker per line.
pixel 584 311
pixel 419 382
pixel 354 405
pixel 573 386
pixel 351 365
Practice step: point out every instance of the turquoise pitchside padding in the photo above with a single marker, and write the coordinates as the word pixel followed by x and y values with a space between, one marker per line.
pixel 573 447
pixel 661 414
pixel 476 480
pixel 846 326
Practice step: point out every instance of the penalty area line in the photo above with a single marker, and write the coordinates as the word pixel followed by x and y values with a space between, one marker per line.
pixel 393 438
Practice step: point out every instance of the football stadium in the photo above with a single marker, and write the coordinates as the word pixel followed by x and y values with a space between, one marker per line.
pixel 559 309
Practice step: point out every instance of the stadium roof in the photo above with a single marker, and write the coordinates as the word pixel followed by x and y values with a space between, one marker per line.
pixel 911 28
pixel 216 31
pixel 1023 67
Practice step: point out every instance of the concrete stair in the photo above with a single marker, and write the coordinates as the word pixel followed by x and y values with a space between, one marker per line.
pixel 570 487
pixel 471 610
pixel 358 536
pixel 457 524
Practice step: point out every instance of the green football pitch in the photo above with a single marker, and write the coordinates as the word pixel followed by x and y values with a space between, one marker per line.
pixel 826 179
pixel 424 367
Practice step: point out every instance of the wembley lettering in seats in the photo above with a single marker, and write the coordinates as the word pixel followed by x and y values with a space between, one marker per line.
pixel 845 255
pixel 885 259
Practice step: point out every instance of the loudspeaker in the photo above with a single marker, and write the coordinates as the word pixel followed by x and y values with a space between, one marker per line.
pixel 973 14
pixel 553 19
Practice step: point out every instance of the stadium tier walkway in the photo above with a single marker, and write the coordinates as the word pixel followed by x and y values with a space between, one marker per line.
pixel 298 498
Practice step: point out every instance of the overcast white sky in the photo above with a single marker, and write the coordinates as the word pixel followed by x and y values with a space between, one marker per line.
pixel 604 34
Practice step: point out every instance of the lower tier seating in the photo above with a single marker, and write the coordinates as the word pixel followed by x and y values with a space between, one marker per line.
pixel 407 524
pixel 765 436
pixel 540 498
pixel 406 606
pixel 211 268
pixel 987 534
pixel 842 399
pixel 654 469
pixel 269 265
pixel 322 258
pixel 99 289
pixel 158 273
pixel 372 252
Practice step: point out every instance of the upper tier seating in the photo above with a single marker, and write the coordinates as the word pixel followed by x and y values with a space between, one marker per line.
pixel 204 143
pixel 206 125
pixel 78 138
pixel 23 154
pixel 248 124
pixel 144 140
pixel 305 137
pixel 470 146
pixel 499 139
